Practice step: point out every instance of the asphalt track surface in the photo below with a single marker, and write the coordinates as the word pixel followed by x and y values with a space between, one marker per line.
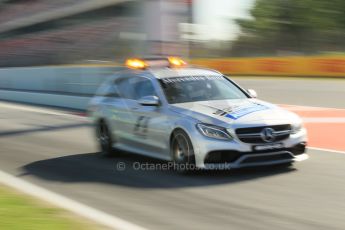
pixel 295 91
pixel 58 152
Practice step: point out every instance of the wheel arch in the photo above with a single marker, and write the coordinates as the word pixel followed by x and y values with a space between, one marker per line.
pixel 175 130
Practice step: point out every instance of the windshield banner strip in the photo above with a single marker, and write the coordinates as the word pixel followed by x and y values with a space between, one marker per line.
pixel 191 78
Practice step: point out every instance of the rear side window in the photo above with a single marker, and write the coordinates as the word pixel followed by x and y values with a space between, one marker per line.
pixel 125 88
pixel 107 89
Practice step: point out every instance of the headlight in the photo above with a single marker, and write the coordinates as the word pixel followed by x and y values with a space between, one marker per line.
pixel 295 128
pixel 214 131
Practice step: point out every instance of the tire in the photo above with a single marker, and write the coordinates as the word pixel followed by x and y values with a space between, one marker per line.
pixel 105 140
pixel 182 152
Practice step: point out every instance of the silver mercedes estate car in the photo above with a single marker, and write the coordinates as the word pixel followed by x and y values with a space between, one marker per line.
pixel 160 107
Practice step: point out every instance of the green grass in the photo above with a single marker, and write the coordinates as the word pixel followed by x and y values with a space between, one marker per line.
pixel 18 212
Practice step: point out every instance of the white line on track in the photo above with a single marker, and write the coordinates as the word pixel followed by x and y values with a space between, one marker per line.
pixel 327 150
pixel 35 109
pixel 306 107
pixel 67 204
pixel 30 108
pixel 323 119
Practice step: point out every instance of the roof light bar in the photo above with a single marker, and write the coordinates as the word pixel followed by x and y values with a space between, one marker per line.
pixel 172 62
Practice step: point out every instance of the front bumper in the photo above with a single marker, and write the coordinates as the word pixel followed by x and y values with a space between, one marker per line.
pixel 213 154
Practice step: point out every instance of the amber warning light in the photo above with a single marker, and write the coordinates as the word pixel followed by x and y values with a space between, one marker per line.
pixel 135 63
pixel 176 62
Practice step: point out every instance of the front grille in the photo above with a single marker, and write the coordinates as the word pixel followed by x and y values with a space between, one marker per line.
pixel 253 134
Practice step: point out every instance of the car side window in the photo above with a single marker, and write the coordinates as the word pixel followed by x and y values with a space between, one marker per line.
pixel 143 87
pixel 125 88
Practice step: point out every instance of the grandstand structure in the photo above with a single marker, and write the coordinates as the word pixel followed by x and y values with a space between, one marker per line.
pixel 50 32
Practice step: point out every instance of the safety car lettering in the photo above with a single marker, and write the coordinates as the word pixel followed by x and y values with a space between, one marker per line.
pixel 141 126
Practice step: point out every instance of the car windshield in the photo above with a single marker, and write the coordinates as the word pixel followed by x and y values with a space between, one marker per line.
pixel 199 88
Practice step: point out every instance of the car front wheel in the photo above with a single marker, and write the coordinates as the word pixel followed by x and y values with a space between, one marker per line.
pixel 182 152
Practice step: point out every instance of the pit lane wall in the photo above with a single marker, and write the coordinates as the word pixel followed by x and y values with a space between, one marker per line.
pixel 60 86
pixel 311 66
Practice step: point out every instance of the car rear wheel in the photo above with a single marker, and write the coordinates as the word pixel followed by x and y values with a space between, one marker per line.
pixel 105 140
pixel 182 152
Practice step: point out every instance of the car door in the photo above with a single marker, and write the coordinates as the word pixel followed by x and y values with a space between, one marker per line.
pixel 120 111
pixel 151 124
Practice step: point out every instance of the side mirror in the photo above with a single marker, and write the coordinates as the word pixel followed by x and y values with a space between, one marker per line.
pixel 149 101
pixel 252 93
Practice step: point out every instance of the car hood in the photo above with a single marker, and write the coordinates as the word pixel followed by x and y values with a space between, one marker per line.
pixel 236 113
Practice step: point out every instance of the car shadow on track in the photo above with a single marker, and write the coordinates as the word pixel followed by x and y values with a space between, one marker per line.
pixel 91 168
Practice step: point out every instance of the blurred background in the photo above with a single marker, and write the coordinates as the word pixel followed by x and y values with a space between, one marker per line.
pixel 48 32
